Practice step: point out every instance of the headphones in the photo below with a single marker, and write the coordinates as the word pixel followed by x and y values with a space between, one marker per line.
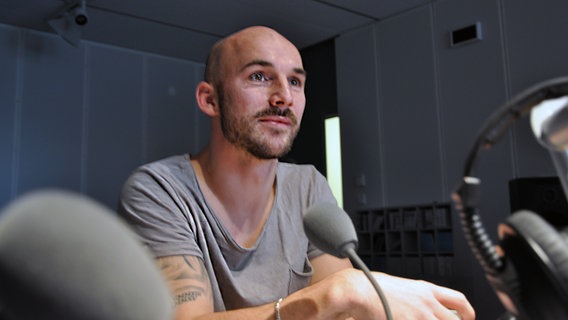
pixel 528 269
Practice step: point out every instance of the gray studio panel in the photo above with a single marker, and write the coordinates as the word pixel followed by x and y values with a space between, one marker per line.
pixel 409 123
pixel 203 129
pixel 472 84
pixel 148 36
pixel 51 115
pixel 537 51
pixel 358 109
pixel 114 126
pixel 9 43
pixel 171 121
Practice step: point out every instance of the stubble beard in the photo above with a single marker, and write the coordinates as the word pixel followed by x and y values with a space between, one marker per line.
pixel 242 133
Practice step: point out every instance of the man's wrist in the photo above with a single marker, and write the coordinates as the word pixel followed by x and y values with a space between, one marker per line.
pixel 277 309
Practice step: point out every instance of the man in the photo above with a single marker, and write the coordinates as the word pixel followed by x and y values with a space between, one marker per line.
pixel 226 224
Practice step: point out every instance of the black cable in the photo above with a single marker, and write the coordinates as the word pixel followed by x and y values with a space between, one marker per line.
pixel 355 259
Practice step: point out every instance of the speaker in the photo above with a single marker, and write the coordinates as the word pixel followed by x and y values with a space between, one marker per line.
pixel 540 194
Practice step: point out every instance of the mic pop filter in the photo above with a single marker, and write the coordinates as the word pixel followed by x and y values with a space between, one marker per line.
pixel 330 229
pixel 63 256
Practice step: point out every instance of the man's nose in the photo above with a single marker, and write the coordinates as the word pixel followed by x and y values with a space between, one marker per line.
pixel 282 94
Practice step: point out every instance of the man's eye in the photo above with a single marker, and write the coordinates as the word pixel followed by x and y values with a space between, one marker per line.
pixel 259 76
pixel 296 82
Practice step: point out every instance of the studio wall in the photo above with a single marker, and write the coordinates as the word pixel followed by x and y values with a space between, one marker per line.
pixel 83 118
pixel 411 103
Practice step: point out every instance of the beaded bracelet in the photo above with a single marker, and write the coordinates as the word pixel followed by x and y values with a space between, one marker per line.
pixel 277 309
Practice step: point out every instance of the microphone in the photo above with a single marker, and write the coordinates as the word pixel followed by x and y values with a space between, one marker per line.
pixel 330 229
pixel 64 256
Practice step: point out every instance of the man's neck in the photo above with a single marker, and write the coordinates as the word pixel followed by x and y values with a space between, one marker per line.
pixel 239 188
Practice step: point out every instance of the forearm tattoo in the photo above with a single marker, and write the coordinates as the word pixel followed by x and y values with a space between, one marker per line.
pixel 187 276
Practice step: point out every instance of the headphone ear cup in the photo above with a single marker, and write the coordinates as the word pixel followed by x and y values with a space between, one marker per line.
pixel 546 238
pixel 537 255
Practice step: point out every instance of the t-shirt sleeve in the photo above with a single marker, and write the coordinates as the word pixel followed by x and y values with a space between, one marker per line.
pixel 162 218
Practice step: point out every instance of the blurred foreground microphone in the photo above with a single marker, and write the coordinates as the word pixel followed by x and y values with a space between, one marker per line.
pixel 63 256
pixel 331 230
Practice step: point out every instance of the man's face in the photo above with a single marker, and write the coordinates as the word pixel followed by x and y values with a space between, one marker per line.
pixel 261 96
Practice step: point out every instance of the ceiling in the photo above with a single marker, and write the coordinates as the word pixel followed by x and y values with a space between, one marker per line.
pixel 187 28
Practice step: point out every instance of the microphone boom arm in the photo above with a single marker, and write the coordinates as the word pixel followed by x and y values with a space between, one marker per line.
pixel 354 257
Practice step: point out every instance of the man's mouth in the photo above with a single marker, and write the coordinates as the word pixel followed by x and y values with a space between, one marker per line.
pixel 278 120
pixel 277 116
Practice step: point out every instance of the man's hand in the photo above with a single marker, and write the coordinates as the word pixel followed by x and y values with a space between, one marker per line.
pixel 417 299
pixel 348 293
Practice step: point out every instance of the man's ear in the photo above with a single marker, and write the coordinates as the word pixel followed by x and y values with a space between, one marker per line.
pixel 206 97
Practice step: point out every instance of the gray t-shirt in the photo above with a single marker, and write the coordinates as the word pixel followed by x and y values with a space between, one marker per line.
pixel 164 204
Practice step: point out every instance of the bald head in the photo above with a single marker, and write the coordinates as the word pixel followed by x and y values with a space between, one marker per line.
pixel 236 43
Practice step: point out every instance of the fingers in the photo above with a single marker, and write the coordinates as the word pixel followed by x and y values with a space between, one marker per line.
pixel 417 299
pixel 455 302
pixel 448 314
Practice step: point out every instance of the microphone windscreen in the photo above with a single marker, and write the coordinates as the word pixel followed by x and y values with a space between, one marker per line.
pixel 64 256
pixel 330 229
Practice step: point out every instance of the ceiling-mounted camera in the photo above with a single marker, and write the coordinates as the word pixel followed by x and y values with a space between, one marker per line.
pixel 69 20
pixel 80 14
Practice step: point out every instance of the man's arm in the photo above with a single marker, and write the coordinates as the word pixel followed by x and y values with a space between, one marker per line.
pixel 408 298
pixel 191 290
pixel 189 283
pixel 193 297
pixel 337 296
pixel 326 264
